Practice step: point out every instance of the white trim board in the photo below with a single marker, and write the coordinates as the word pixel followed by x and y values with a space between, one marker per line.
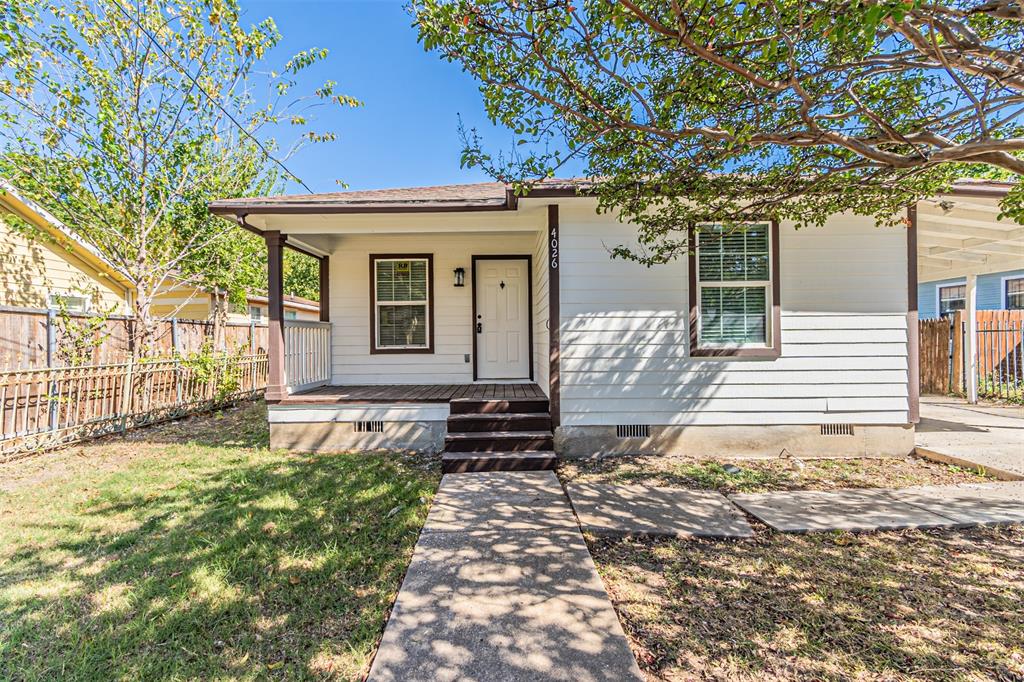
pixel 942 284
pixel 1003 302
pixel 386 412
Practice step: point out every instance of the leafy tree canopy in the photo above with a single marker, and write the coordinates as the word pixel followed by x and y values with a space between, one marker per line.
pixel 688 110
pixel 125 117
pixel 301 275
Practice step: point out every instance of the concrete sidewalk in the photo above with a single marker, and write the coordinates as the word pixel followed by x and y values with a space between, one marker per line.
pixel 502 587
pixel 988 436
pixel 938 506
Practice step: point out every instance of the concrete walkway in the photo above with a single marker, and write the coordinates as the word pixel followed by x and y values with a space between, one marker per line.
pixel 945 506
pixel 973 435
pixel 502 587
pixel 646 511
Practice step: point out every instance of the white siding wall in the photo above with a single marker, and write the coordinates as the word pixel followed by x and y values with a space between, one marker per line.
pixel 350 306
pixel 541 355
pixel 844 338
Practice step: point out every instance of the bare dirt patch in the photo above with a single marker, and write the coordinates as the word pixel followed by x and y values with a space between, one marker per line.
pixel 749 476
pixel 941 605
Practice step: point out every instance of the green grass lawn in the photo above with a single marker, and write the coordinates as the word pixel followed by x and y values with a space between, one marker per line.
pixel 192 551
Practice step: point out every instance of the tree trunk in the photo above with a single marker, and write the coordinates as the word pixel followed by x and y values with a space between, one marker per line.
pixel 143 331
pixel 220 318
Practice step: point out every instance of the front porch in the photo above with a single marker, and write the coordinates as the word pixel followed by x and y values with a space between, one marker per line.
pixel 479 426
pixel 413 393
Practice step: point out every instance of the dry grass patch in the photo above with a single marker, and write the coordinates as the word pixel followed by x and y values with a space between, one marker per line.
pixel 885 606
pixel 766 475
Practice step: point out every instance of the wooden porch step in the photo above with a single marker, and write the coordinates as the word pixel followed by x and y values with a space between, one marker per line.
pixel 499 441
pixel 479 406
pixel 466 462
pixel 502 421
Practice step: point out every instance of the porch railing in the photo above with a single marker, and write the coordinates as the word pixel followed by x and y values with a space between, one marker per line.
pixel 307 354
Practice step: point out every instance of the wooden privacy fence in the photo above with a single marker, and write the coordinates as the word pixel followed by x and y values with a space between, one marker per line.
pixel 36 337
pixel 998 349
pixel 934 345
pixel 44 407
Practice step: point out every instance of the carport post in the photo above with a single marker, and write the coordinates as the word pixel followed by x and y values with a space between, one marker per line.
pixel 971 342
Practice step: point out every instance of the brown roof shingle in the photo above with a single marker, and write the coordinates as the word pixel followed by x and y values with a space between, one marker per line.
pixel 480 196
pixel 474 196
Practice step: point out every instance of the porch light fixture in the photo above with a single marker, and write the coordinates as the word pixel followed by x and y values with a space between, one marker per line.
pixel 460 277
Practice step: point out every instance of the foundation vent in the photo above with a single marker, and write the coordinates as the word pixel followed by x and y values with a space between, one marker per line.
pixel 837 429
pixel 368 427
pixel 633 431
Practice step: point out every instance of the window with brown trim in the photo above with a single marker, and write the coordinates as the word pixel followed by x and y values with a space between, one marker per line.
pixel 734 290
pixel 402 303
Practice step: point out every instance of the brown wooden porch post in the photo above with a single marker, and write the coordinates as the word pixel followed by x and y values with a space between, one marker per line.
pixel 913 342
pixel 554 320
pixel 277 385
pixel 325 289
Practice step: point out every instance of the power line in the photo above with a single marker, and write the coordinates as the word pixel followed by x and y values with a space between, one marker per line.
pixel 213 100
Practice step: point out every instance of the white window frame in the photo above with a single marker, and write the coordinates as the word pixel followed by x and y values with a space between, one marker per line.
pixel 1003 286
pixel 51 301
pixel 255 313
pixel 767 285
pixel 938 294
pixel 377 303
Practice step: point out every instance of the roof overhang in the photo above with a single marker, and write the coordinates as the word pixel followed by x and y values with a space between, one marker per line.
pixel 961 234
pixel 508 200
pixel 50 225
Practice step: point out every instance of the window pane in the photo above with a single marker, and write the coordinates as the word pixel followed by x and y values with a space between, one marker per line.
pixel 1015 294
pixel 70 303
pixel 401 280
pixel 952 298
pixel 733 315
pixel 740 254
pixel 401 325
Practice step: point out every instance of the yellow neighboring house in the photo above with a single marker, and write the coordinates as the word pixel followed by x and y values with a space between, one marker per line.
pixel 195 303
pixel 61 269
pixel 42 273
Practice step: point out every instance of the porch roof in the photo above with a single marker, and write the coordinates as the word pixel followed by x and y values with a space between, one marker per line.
pixel 962 234
pixel 481 196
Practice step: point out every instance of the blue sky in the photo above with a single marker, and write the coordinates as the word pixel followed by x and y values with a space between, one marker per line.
pixel 406 131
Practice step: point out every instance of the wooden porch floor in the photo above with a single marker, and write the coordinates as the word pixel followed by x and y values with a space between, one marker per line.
pixel 414 393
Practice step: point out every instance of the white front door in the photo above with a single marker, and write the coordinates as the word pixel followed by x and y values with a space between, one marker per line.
pixel 502 319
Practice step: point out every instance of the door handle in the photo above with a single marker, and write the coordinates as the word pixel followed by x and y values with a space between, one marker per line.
pixel 479 327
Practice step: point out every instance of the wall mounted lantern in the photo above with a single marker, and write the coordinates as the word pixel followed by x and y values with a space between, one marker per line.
pixel 460 277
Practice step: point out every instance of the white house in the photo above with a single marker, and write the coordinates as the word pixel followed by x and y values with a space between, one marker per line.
pixel 462 317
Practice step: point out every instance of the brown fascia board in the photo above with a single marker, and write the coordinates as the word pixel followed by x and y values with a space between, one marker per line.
pixel 511 203
pixel 328 208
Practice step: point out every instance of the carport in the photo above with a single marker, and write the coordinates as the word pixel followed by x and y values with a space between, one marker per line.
pixel 960 235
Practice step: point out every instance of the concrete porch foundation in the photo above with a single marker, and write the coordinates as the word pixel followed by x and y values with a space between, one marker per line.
pixel 753 442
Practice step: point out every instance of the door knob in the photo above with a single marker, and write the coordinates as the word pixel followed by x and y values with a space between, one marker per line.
pixel 479 327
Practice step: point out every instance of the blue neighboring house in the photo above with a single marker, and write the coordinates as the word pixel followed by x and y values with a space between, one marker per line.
pixel 996 291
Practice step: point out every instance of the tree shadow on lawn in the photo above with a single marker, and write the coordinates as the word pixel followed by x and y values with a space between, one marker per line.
pixel 263 565
pixel 902 605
